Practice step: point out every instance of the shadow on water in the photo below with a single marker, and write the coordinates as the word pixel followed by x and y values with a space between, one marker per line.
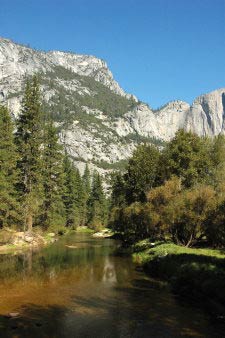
pixel 84 291
pixel 99 317
pixel 34 321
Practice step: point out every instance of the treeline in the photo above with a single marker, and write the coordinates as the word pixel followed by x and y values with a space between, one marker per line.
pixel 177 194
pixel 39 184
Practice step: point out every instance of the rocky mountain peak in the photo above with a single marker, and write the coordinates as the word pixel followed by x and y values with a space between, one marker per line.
pixel 17 60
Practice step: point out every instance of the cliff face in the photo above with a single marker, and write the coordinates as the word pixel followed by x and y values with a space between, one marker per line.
pixel 207 114
pixel 98 121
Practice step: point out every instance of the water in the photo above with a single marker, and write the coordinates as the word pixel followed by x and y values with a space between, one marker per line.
pixel 77 287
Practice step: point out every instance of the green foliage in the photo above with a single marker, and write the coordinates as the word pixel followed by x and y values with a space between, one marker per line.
pixel 217 156
pixel 35 174
pixel 186 156
pixel 132 222
pixel 86 181
pixel 141 172
pixel 215 225
pixel 97 204
pixel 29 137
pixel 72 193
pixel 143 139
pixel 52 209
pixel 9 208
pixel 102 98
pixel 184 187
pixel 161 203
pixel 118 196
pixel 196 272
pixel 188 212
pixel 120 165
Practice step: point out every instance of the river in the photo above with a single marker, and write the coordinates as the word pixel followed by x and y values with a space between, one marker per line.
pixel 78 287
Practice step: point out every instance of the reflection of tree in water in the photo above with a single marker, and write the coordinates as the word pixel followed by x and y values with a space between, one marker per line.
pixel 91 262
pixel 109 272
pixel 106 297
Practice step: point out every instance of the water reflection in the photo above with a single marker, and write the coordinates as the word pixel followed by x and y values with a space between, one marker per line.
pixel 109 273
pixel 78 288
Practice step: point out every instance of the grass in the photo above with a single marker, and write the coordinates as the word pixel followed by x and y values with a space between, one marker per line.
pixel 193 273
pixel 84 229
pixel 146 252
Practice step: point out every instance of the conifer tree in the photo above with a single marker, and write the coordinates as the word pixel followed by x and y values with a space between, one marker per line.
pixel 8 174
pixel 141 172
pixel 73 194
pixel 86 180
pixel 52 210
pixel 118 196
pixel 97 203
pixel 80 200
pixel 29 137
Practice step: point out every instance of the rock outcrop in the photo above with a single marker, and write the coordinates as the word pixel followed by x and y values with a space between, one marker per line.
pixel 206 116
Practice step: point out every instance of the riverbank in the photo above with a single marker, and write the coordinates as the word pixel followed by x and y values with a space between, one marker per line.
pixel 196 274
pixel 12 241
pixel 104 233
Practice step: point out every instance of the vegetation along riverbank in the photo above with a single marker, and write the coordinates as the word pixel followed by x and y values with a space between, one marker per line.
pixel 41 190
pixel 194 273
pixel 175 197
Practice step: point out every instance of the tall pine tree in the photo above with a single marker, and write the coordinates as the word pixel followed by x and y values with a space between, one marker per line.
pixel 29 138
pixel 73 193
pixel 9 210
pixel 97 204
pixel 52 210
pixel 86 179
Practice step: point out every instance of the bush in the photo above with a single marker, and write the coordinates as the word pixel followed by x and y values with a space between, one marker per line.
pixel 215 226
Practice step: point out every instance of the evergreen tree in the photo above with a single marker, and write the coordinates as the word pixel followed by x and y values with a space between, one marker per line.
pixel 29 137
pixel 141 173
pixel 97 203
pixel 218 164
pixel 69 190
pixel 73 196
pixel 86 180
pixel 52 210
pixel 118 196
pixel 80 201
pixel 8 174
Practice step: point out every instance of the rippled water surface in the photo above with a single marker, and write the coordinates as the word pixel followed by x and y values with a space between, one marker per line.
pixel 78 288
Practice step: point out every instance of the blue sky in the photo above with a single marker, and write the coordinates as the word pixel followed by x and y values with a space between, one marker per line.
pixel 159 50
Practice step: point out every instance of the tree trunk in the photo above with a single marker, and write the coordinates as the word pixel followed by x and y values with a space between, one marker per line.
pixel 29 222
pixel 190 241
